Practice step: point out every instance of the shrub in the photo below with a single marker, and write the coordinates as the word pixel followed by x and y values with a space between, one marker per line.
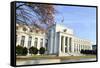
pixel 92 52
pixel 42 50
pixel 25 51
pixel 19 50
pixel 82 51
pixel 33 50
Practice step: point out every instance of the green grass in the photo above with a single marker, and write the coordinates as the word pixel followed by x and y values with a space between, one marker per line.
pixel 35 57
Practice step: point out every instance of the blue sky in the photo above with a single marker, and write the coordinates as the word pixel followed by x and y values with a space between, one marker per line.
pixel 81 19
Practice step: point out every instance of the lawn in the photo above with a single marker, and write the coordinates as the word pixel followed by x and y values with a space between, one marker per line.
pixel 35 57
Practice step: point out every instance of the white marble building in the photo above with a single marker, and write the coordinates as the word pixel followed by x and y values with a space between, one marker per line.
pixel 58 40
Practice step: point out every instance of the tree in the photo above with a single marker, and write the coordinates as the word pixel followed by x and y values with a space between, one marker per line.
pixel 19 50
pixel 35 14
pixel 33 50
pixel 42 50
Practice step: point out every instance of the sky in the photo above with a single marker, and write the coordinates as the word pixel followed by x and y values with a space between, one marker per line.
pixel 81 19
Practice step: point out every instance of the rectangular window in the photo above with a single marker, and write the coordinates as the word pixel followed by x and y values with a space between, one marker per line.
pixel 22 40
pixel 70 40
pixel 62 43
pixel 74 47
pixel 66 39
pixel 36 42
pixel 77 47
pixel 41 43
pixel 46 44
pixel 29 41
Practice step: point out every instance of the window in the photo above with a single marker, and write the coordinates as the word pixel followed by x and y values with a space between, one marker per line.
pixel 77 47
pixel 46 44
pixel 74 47
pixel 41 43
pixel 36 42
pixel 65 49
pixel 70 41
pixel 62 43
pixel 66 39
pixel 31 30
pixel 37 31
pixel 81 47
pixel 24 29
pixel 22 40
pixel 29 41
pixel 65 30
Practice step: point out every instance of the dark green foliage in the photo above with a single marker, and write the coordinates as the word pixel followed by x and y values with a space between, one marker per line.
pixel 33 50
pixel 42 50
pixel 92 52
pixel 19 50
pixel 25 51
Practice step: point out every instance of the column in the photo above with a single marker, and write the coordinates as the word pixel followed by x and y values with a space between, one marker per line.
pixel 80 47
pixel 77 48
pixel 72 45
pixel 26 41
pixel 18 40
pixel 44 42
pixel 32 44
pixel 38 43
pixel 59 43
pixel 84 47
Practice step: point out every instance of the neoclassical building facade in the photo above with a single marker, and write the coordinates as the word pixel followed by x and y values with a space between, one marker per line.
pixel 57 39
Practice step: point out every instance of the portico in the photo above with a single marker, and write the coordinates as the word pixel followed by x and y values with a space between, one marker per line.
pixel 62 42
pixel 65 43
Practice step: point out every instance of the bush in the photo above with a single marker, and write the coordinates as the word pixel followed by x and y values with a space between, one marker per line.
pixel 33 50
pixel 92 52
pixel 82 51
pixel 25 51
pixel 19 50
pixel 42 50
